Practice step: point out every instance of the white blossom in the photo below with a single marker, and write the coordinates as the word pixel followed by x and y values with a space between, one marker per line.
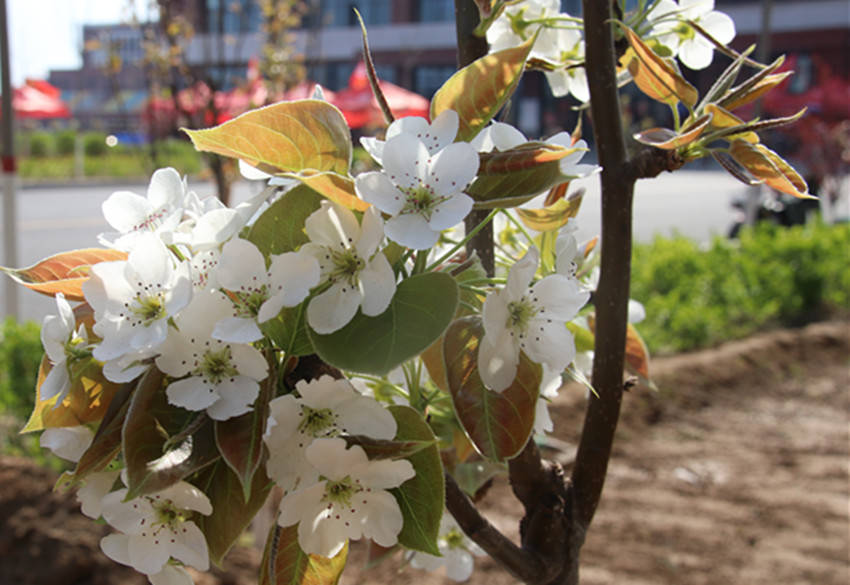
pixel 458 552
pixel 435 135
pixel 529 318
pixel 423 192
pixel 349 502
pixel 516 24
pixel 672 29
pixel 92 492
pixel 67 442
pixel 219 377
pixel 63 345
pixel 134 299
pixel 349 261
pixel 550 384
pixel 258 293
pixel 326 408
pixel 133 215
pixel 156 527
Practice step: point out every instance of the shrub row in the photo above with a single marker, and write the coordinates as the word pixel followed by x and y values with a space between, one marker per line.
pixel 697 297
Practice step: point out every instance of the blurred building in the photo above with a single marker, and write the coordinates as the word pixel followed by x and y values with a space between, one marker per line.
pixel 413 45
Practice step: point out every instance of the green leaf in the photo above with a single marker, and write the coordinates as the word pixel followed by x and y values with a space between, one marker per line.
pixel 498 423
pixel 289 331
pixel 283 137
pixel 280 228
pixel 512 177
pixel 479 90
pixel 149 424
pixel 292 566
pixel 421 309
pixel 387 449
pixel 231 512
pixel 422 497
pixel 240 439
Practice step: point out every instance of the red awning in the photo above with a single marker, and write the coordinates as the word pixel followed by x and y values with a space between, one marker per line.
pixel 38 100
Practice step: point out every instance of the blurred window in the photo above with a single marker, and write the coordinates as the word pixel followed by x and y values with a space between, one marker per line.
pixel 436 10
pixel 427 79
pixel 341 12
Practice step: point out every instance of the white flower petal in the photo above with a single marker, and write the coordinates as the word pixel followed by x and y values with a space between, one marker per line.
pixel 560 296
pixel 550 343
pixel 293 274
pixel 521 273
pixel 171 575
pixel 377 282
pixel 371 233
pixel 236 398
pixel 237 330
pixel 241 263
pixel 249 361
pixel 365 416
pixel 186 496
pixel 411 230
pixel 67 442
pixel 376 188
pixel 167 189
pixel 451 212
pixel 115 546
pixel 190 546
pixel 333 460
pixel 147 555
pixel 332 224
pixel 334 308
pixel 125 211
pixel 719 25
pixel 193 393
pixel 384 516
pixel 497 361
pixel 403 156
pixel 696 53
pixel 56 383
pixel 452 169
pixel 95 488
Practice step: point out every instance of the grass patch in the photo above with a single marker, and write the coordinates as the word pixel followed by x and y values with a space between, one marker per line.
pixel 771 277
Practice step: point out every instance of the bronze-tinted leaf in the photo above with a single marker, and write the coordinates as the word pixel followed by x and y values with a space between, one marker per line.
pixel 287 137
pixel 231 513
pixel 753 93
pixel 337 188
pixel 479 90
pixel 240 439
pixel 723 119
pixel 512 177
pixel 86 402
pixel 656 77
pixel 63 273
pixel 553 217
pixel 498 423
pixel 770 168
pixel 637 354
pixel 667 139
pixel 734 168
pixel 284 563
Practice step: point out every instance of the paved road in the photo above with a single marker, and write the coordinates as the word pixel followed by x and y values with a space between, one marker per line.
pixel 50 220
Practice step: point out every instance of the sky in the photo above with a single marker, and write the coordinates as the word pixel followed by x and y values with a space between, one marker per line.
pixel 46 34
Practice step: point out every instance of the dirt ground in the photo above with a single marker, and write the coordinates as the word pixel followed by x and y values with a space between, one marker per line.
pixel 736 471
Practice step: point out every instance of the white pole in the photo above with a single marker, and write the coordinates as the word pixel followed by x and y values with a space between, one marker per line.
pixel 10 235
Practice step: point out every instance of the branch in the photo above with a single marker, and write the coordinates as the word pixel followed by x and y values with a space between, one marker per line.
pixel 469 48
pixel 520 563
pixel 612 294
pixel 649 162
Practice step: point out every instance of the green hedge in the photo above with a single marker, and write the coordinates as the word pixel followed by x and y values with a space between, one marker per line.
pixel 697 297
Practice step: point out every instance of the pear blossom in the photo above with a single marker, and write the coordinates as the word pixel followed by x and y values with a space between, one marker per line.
pixel 133 215
pixel 529 318
pixel 155 527
pixel 258 293
pixel 219 377
pixel 349 502
pixel 326 408
pixel 671 26
pixel 457 550
pixel 67 442
pixel 517 23
pixel 435 135
pixel 171 575
pixel 92 492
pixel 134 299
pixel 63 345
pixel 349 261
pixel 569 76
pixel 129 366
pixel 423 192
pixel 550 384
pixel 567 250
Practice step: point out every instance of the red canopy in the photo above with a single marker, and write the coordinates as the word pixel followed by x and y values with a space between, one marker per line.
pixel 360 107
pixel 38 100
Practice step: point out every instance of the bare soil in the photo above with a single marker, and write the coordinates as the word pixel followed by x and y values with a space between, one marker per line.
pixel 736 471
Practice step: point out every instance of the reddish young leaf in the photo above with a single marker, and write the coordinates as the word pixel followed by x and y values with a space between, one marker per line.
pixel 292 566
pixel 552 217
pixel 754 92
pixel 770 168
pixel 231 513
pixel 637 354
pixel 63 273
pixel 656 77
pixel 479 90
pixel 667 139
pixel 722 119
pixel 498 423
